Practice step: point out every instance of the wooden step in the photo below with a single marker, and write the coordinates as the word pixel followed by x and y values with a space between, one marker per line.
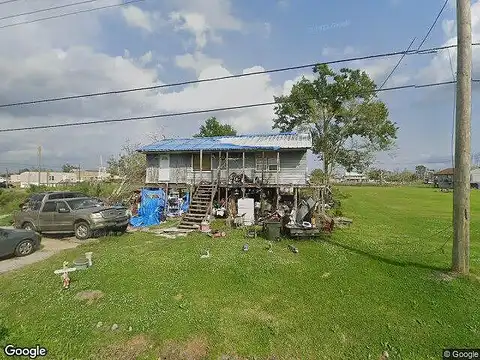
pixel 190 222
pixel 187 227
pixel 196 216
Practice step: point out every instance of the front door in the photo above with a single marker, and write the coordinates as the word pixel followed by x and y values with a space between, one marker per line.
pixel 63 218
pixel 45 217
pixel 164 168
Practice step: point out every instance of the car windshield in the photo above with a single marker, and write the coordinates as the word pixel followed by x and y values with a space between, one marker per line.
pixel 82 203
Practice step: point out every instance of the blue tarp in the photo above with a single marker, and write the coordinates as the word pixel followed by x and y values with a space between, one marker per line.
pixel 186 202
pixel 151 208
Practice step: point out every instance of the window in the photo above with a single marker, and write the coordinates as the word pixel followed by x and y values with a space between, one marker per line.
pixel 51 178
pixel 270 163
pixel 206 162
pixel 62 205
pixel 50 206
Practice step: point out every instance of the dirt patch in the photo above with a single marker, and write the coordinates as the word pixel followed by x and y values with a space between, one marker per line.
pixel 193 349
pixel 258 314
pixel 90 296
pixel 441 276
pixel 129 350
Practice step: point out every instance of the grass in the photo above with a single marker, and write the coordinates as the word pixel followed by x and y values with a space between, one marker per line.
pixel 372 287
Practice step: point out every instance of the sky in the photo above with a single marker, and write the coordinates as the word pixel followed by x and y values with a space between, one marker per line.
pixel 160 42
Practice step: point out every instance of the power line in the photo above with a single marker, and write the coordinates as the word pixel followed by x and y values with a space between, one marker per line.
pixel 70 13
pixel 194 112
pixel 398 63
pixel 47 9
pixel 8 2
pixel 227 77
pixel 433 25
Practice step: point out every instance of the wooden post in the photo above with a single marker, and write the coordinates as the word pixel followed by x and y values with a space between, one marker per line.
pixel 278 197
pixel 193 169
pixel 295 199
pixel 228 175
pixel 278 167
pixel 166 199
pixel 201 164
pixel 243 167
pixel 322 195
pixel 211 168
pixel 243 174
pixel 461 182
pixel 263 165
pixel 219 176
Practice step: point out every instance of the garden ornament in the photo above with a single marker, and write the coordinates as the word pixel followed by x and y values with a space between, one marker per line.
pixel 64 272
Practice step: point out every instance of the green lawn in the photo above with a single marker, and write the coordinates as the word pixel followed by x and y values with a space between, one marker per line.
pixel 375 286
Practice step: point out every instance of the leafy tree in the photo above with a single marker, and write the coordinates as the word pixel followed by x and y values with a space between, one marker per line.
pixel 213 127
pixel 420 171
pixel 347 122
pixel 317 176
pixel 375 174
pixel 68 168
pixel 130 166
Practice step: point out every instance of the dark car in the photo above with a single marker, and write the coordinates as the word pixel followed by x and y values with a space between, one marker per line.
pixel 18 242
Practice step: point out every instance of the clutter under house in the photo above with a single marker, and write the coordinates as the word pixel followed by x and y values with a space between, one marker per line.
pixel 247 179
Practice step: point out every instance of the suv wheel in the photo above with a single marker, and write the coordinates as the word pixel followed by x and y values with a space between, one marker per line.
pixel 28 226
pixel 82 231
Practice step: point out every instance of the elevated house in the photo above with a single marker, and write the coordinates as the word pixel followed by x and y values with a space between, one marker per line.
pixel 444 179
pixel 219 165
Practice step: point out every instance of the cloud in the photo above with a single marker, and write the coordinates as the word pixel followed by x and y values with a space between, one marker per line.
pixel 136 17
pixel 64 61
pixel 196 61
pixel 439 68
pixel 205 20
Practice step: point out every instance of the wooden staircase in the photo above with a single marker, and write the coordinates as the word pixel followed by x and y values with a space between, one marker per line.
pixel 200 207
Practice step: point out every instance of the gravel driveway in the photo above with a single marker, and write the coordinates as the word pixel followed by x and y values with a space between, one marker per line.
pixel 49 247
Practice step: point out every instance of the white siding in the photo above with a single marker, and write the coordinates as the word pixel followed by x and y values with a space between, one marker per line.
pixel 293 168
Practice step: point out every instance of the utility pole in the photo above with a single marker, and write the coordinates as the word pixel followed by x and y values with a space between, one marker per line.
pixel 39 164
pixel 461 182
pixel 8 178
pixel 79 174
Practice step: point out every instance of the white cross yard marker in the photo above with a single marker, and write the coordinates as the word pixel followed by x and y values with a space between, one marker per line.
pixel 64 272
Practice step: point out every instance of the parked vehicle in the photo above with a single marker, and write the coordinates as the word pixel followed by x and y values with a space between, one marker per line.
pixel 81 216
pixel 35 200
pixel 18 242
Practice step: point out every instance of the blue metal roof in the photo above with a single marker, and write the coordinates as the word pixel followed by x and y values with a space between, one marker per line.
pixel 231 143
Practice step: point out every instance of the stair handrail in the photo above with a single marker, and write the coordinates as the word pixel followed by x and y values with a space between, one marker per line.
pixel 214 191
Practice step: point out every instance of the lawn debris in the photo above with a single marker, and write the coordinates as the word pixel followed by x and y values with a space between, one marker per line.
pixel 89 295
pixel 342 222
pixel 384 356
pixel 205 255
pixel 114 327
pixel 269 246
pixel 325 275
pixel 293 249
pixel 245 247
pixel 217 234
pixel 99 324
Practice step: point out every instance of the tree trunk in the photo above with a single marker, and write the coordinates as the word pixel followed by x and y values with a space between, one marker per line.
pixel 326 173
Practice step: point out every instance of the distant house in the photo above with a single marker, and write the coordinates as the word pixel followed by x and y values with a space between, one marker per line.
pixel 444 179
pixel 354 177
pixel 48 178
